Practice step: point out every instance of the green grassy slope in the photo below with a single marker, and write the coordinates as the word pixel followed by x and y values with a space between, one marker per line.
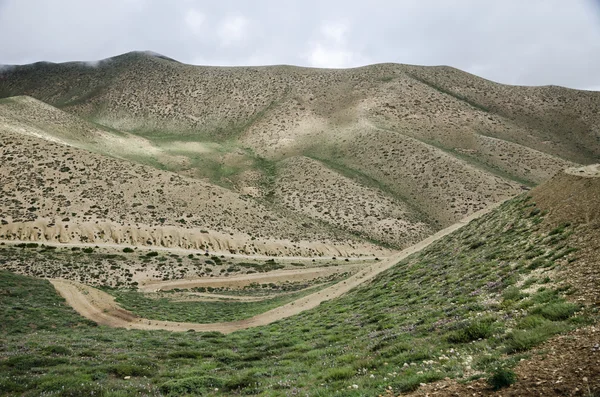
pixel 470 303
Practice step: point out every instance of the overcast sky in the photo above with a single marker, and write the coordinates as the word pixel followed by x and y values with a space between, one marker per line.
pixel 530 42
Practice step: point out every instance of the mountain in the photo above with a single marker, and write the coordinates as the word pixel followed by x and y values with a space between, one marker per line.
pixel 384 153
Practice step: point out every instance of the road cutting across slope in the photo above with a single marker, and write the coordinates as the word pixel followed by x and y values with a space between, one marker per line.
pixel 101 307
pixel 247 279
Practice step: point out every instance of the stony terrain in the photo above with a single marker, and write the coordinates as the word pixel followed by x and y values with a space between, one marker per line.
pixel 430 144
pixel 54 192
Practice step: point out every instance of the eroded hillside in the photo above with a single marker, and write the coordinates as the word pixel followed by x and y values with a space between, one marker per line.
pixel 54 192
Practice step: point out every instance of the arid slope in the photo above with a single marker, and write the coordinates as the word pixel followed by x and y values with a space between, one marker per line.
pixel 54 192
pixel 428 144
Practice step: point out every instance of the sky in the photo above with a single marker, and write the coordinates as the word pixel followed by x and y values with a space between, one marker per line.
pixel 525 42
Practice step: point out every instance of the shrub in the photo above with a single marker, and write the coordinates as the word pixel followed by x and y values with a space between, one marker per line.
pixel 242 380
pixel 523 340
pixel 513 294
pixel 476 244
pixel 502 377
pixel 8 386
pixel 530 322
pixel 88 250
pixel 411 382
pixel 152 254
pixel 26 362
pixel 478 329
pixel 225 355
pixel 128 250
pixel 534 212
pixel 557 311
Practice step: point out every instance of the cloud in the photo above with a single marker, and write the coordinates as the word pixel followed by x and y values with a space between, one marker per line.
pixel 331 48
pixel 533 42
pixel 194 20
pixel 335 31
pixel 322 57
pixel 233 30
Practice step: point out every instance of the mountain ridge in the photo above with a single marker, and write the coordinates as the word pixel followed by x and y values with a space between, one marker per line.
pixel 436 142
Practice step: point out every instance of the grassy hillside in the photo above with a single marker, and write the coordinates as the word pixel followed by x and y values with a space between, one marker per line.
pixel 472 305
pixel 432 143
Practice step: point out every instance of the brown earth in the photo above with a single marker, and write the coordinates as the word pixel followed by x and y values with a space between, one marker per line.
pixel 567 365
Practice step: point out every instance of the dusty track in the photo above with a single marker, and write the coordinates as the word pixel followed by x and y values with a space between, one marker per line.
pixel 247 279
pixel 100 307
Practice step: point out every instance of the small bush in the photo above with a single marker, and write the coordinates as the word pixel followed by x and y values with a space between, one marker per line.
pixel 502 377
pixel 411 382
pixel 225 355
pixel 242 380
pixel 23 363
pixel 128 250
pixel 530 322
pixel 534 212
pixel 523 340
pixel 152 254
pixel 513 294
pixel 478 329
pixel 88 250
pixel 557 311
pixel 8 386
pixel 476 244
pixel 560 229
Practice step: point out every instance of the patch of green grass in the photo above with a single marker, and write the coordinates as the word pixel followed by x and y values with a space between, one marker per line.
pixel 196 385
pixel 340 373
pixel 200 311
pixel 526 339
pixel 556 311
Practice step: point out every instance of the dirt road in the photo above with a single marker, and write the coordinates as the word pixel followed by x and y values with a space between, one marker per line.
pixel 247 279
pixel 102 308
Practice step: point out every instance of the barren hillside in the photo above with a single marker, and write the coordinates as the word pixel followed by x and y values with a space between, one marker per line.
pixel 388 153
pixel 54 192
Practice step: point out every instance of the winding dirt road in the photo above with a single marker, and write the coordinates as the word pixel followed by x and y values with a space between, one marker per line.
pixel 101 307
